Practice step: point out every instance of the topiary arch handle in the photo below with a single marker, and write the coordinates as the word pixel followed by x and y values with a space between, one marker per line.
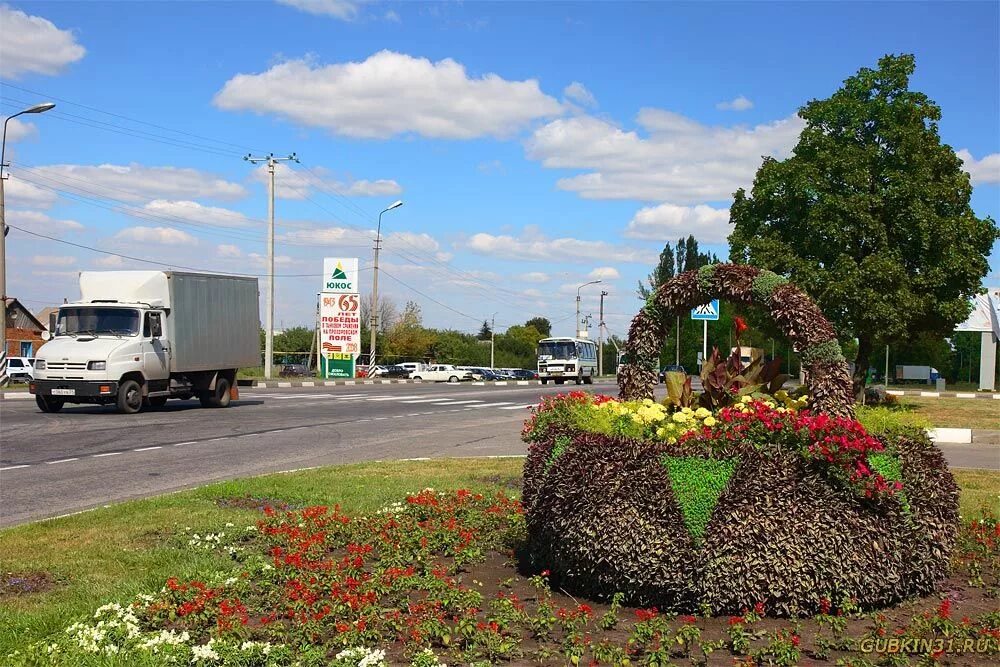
pixel 794 313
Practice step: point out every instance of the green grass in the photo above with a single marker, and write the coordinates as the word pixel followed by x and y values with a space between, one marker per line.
pixel 697 483
pixel 114 553
pixel 981 413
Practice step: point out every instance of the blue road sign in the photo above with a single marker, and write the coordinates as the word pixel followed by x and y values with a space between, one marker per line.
pixel 706 311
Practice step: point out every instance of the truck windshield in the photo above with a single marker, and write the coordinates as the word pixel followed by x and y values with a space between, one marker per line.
pixel 557 349
pixel 97 320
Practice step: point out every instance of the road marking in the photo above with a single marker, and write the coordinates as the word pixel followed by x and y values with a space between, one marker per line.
pixel 291 397
pixel 181 444
pixel 394 398
pixel 75 458
pixel 145 449
pixel 426 400
pixel 421 458
pixel 413 414
pixel 519 407
pixel 488 405
pixel 447 402
pixel 106 454
pixel 16 467
pixel 378 419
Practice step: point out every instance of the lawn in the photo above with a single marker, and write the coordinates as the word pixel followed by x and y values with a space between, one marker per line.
pixel 979 413
pixel 80 562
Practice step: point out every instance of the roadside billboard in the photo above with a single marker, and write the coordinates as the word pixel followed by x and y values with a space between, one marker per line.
pixel 339 318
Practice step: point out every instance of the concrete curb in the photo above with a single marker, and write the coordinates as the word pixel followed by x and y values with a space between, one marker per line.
pixel 955 436
pixel 15 396
pixel 942 394
pixel 339 383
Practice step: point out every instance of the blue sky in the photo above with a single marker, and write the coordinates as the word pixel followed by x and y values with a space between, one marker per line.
pixel 536 145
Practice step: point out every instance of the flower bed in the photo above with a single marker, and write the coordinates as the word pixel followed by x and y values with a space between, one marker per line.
pixel 761 501
pixel 433 580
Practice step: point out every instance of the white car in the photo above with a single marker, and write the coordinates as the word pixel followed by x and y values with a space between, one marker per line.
pixel 441 373
pixel 21 369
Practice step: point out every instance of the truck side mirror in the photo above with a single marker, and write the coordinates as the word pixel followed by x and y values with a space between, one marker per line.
pixel 46 335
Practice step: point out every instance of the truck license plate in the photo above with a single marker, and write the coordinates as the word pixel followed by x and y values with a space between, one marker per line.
pixel 64 392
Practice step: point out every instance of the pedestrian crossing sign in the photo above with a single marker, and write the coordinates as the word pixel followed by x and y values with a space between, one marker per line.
pixel 706 311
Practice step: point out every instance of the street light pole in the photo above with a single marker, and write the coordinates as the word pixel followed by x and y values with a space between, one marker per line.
pixel 577 325
pixel 269 332
pixel 38 108
pixel 373 315
pixel 493 336
pixel 600 338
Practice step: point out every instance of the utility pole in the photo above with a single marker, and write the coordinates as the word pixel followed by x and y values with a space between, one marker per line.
pixel 887 364
pixel 373 316
pixel 493 336
pixel 600 337
pixel 38 108
pixel 577 325
pixel 269 332
pixel 677 349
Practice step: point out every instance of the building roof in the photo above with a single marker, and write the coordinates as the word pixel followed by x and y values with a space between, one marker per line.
pixel 43 315
pixel 19 317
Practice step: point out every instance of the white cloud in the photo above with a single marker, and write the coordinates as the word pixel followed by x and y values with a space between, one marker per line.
pixel 679 160
pixel 392 16
pixel 227 250
pixel 738 104
pixel 534 247
pixel 535 277
pixel 604 273
pixel 17 191
pixel 37 221
pixel 291 183
pixel 109 262
pixel 261 260
pixel 136 182
pixel 669 221
pixel 390 94
pixel 986 170
pixel 346 10
pixel 18 130
pixel 160 235
pixel 578 92
pixel 411 242
pixel 33 44
pixel 53 260
pixel 329 236
pixel 195 212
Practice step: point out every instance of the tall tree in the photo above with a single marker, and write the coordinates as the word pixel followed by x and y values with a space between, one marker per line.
pixel 663 272
pixel 870 214
pixel 484 331
pixel 541 324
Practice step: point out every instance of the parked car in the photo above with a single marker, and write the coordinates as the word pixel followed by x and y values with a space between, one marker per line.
pixel 294 370
pixel 485 374
pixel 375 371
pixel 672 368
pixel 21 369
pixel 505 373
pixel 442 373
pixel 395 372
pixel 412 366
pixel 524 374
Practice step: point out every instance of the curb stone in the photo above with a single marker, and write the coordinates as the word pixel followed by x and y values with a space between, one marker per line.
pixel 942 394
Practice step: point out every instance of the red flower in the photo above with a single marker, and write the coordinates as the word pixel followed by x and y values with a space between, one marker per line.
pixel 687 620
pixel 759 608
pixel 944 611
pixel 545 573
pixel 795 640
pixel 740 325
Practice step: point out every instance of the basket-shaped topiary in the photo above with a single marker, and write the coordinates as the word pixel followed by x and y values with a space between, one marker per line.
pixel 764 501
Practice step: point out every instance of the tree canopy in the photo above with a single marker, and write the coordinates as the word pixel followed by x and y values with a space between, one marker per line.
pixel 870 214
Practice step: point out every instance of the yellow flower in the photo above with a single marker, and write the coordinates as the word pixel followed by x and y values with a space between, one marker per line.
pixel 681 417
pixel 746 399
pixel 647 401
pixel 710 421
pixel 701 413
pixel 672 440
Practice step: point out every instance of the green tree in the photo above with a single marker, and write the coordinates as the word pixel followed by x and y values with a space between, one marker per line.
pixel 663 272
pixel 541 324
pixel 484 331
pixel 870 214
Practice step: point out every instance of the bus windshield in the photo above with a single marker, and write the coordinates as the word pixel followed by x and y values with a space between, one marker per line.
pixel 97 320
pixel 557 349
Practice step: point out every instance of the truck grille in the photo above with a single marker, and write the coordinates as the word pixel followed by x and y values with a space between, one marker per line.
pixel 66 366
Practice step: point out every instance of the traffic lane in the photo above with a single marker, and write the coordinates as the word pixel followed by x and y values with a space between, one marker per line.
pixel 65 486
pixel 30 437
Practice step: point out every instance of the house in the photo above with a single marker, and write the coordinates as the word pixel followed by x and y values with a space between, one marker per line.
pixel 44 315
pixel 24 331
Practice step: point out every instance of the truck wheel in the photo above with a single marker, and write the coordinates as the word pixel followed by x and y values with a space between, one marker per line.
pixel 129 397
pixel 544 381
pixel 559 381
pixel 218 398
pixel 589 379
pixel 156 401
pixel 47 404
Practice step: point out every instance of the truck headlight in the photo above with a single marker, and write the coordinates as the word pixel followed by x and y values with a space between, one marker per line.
pixel 97 365
pixel 39 364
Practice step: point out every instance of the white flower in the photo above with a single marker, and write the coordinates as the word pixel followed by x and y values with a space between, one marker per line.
pixel 204 652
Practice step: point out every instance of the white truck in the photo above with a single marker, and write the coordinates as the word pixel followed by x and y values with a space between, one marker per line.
pixel 441 373
pixel 138 338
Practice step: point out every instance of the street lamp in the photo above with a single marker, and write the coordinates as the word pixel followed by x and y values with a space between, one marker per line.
pixel 373 317
pixel 493 336
pixel 38 108
pixel 592 282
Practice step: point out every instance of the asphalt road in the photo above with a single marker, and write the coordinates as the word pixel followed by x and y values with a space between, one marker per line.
pixel 86 457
